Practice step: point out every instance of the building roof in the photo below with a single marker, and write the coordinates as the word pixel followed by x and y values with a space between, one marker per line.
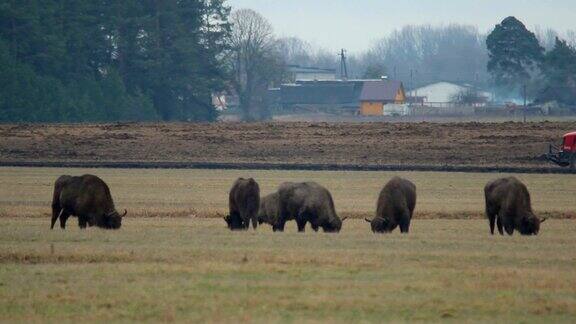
pixel 454 83
pixel 321 93
pixel 306 69
pixel 339 92
pixel 380 90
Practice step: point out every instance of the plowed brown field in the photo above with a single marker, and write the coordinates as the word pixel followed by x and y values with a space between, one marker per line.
pixel 454 144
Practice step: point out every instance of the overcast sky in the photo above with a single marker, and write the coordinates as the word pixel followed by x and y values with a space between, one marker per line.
pixel 356 24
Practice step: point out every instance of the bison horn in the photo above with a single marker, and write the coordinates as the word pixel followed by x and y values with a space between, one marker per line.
pixel 542 220
pixel 366 219
pixel 344 218
pixel 125 212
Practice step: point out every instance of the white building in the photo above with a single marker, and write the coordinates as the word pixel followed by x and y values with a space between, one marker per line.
pixel 443 92
pixel 302 73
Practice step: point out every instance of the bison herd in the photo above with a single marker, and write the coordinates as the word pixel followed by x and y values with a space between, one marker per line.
pixel 507 206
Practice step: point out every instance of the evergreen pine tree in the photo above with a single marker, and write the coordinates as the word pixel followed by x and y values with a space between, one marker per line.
pixel 514 55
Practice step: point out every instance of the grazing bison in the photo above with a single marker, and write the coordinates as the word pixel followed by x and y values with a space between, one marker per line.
pixel 244 200
pixel 306 202
pixel 508 205
pixel 87 197
pixel 395 206
pixel 268 212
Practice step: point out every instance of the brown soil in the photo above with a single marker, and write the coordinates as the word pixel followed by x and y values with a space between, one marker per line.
pixel 453 144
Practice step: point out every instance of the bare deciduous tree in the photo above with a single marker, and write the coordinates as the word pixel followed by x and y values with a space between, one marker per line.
pixel 424 54
pixel 445 53
pixel 546 37
pixel 571 37
pixel 253 60
pixel 295 51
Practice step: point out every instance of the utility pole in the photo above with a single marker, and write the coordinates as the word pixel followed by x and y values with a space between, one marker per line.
pixel 524 87
pixel 412 82
pixel 343 67
pixel 415 88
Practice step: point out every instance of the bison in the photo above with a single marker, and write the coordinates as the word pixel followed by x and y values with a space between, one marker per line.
pixel 395 206
pixel 268 211
pixel 243 203
pixel 87 197
pixel 508 205
pixel 306 202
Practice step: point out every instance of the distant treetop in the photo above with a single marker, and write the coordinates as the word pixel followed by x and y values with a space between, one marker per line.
pixel 514 54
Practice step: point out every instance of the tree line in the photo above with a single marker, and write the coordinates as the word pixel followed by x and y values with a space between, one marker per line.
pixel 149 60
pixel 110 60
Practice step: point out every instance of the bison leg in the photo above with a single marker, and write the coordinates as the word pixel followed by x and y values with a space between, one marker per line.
pixel 63 218
pixel 499 225
pixel 301 225
pixel 254 221
pixel 82 222
pixel 405 225
pixel 492 219
pixel 508 225
pixel 279 226
pixel 315 227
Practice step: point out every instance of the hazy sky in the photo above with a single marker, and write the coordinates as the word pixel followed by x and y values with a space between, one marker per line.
pixel 355 24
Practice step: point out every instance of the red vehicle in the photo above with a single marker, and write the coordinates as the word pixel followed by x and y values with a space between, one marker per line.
pixel 565 155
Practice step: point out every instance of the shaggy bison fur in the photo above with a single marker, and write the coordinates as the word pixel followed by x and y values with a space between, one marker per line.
pixel 268 212
pixel 243 203
pixel 508 205
pixel 395 206
pixel 87 197
pixel 306 202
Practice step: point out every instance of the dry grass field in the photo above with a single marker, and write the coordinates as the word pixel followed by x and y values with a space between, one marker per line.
pixel 204 193
pixel 170 269
pixel 189 267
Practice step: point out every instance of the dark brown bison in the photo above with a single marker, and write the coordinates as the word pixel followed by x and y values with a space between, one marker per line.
pixel 395 206
pixel 508 205
pixel 244 201
pixel 87 197
pixel 306 202
pixel 268 211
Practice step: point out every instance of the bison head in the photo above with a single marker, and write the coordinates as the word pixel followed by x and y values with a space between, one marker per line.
pixel 112 220
pixel 235 223
pixel 261 216
pixel 381 225
pixel 334 226
pixel 530 224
